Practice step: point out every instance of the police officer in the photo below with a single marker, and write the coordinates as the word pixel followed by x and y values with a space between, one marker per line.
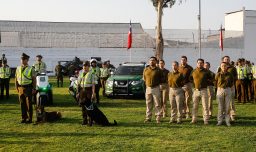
pixel 224 81
pixel 96 72
pixel 86 89
pixel 241 81
pixel 233 71
pixel 210 88
pixel 59 74
pixel 164 87
pixel 5 74
pixel 25 83
pixel 39 65
pixel 200 77
pixel 152 76
pixel 186 70
pixel 176 93
pixel 104 74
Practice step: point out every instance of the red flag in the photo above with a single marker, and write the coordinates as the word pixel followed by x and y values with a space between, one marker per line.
pixel 129 42
pixel 221 39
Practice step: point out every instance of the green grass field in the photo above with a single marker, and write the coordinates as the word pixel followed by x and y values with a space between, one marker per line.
pixel 131 134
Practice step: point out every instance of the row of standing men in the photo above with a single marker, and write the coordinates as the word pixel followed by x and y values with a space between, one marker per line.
pixel 178 86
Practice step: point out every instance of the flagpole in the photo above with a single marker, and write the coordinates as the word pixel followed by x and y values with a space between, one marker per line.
pixel 130 55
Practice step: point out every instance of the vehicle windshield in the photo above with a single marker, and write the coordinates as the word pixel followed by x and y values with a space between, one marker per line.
pixel 129 70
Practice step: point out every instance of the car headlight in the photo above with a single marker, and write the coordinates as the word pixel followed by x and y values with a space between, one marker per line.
pixel 136 82
pixel 109 83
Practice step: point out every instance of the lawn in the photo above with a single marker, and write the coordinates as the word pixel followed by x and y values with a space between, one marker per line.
pixel 131 134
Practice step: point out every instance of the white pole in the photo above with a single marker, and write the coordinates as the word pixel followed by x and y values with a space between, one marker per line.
pixel 130 55
pixel 199 29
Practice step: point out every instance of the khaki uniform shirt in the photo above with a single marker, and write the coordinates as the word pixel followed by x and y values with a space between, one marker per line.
pixel 186 71
pixel 152 77
pixel 224 80
pixel 201 78
pixel 175 79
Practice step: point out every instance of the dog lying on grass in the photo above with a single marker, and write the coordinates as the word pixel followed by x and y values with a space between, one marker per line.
pixel 43 116
pixel 93 112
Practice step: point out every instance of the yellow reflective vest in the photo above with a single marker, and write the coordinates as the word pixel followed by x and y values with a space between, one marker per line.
pixel 241 72
pixel 86 80
pixel 24 75
pixel 40 67
pixel 5 72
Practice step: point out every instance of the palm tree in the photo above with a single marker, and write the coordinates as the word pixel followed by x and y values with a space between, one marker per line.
pixel 159 5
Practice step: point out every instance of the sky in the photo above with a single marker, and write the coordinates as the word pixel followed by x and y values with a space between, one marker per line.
pixel 180 16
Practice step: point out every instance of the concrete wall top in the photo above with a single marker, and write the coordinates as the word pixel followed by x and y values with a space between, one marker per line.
pixel 37 26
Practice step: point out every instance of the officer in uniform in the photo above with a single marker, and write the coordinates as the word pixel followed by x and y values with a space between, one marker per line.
pixel 210 88
pixel 96 72
pixel 233 71
pixel 186 70
pixel 86 86
pixel 59 74
pixel 200 77
pixel 39 65
pixel 104 74
pixel 176 93
pixel 5 73
pixel 224 81
pixel 25 84
pixel 241 82
pixel 152 76
pixel 164 88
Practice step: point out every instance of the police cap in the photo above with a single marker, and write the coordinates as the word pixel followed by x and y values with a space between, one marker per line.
pixel 24 56
pixel 39 56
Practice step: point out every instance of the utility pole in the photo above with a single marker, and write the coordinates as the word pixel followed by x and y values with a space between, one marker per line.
pixel 199 29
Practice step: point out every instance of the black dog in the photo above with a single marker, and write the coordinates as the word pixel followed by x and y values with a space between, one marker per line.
pixel 94 113
pixel 48 116
pixel 97 116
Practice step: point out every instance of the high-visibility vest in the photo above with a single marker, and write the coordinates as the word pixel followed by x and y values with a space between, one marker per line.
pixel 241 72
pixel 254 72
pixel 87 80
pixel 40 67
pixel 5 72
pixel 24 77
pixel 96 72
pixel 104 72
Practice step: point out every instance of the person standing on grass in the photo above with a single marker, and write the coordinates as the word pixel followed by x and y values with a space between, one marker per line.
pixel 5 73
pixel 200 77
pixel 164 89
pixel 152 76
pixel 186 70
pixel 25 84
pixel 104 74
pixel 233 71
pixel 176 93
pixel 86 88
pixel 224 82
pixel 59 74
pixel 210 88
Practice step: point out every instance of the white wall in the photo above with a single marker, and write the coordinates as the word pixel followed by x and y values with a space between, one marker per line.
pixel 52 55
pixel 234 21
pixel 250 35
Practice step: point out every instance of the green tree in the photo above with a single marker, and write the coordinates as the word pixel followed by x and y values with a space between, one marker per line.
pixel 159 5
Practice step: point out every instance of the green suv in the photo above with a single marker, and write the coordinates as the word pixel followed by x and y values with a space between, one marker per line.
pixel 126 80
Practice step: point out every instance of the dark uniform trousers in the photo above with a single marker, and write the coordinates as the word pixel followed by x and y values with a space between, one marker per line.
pixel 5 84
pixel 60 80
pixel 25 98
pixel 97 91
pixel 86 101
pixel 240 88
